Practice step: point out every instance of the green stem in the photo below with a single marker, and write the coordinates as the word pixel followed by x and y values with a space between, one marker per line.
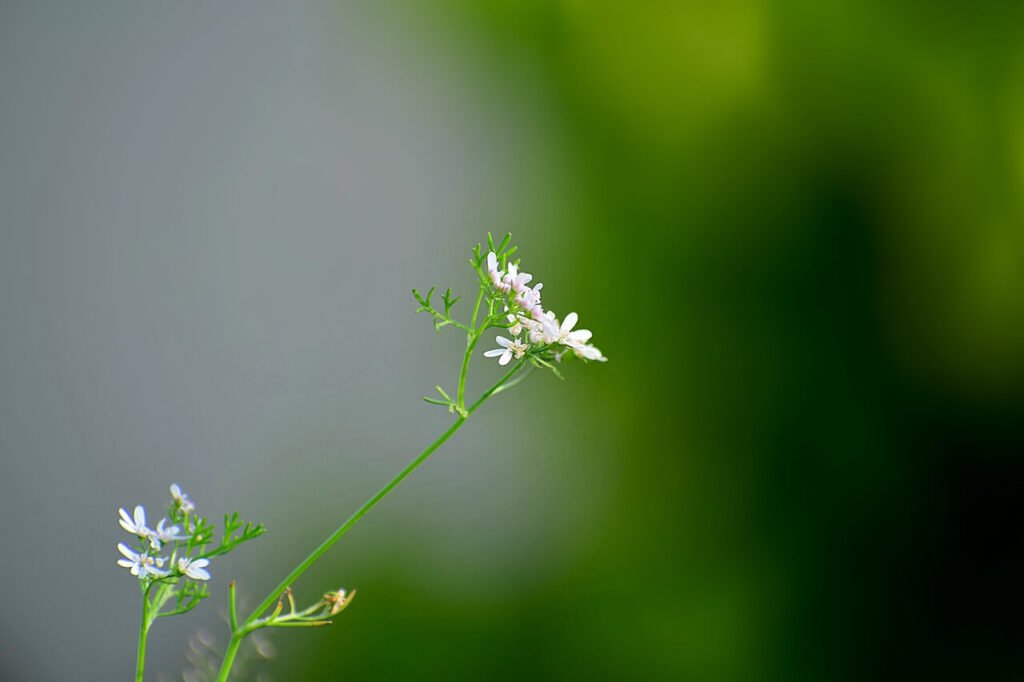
pixel 472 336
pixel 460 396
pixel 140 665
pixel 229 655
pixel 476 306
pixel 496 387
pixel 245 628
pixel 233 608
pixel 351 521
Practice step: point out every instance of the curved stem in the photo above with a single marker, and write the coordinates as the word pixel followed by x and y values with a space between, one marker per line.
pixel 244 629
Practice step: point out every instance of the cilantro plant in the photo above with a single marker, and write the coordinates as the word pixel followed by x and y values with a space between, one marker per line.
pixel 175 584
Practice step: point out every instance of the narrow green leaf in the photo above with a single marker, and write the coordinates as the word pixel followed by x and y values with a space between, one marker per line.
pixel 505 241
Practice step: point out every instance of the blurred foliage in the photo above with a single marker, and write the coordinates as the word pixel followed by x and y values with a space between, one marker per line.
pixel 811 215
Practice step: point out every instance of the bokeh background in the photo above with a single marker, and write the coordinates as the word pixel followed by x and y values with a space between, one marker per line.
pixel 796 227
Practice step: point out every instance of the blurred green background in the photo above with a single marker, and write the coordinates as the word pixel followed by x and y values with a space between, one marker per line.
pixel 797 231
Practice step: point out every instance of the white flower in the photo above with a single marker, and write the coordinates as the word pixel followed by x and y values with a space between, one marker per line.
pixel 507 350
pixel 164 534
pixel 140 564
pixel 181 499
pixel 542 329
pixel 494 273
pixel 194 568
pixel 135 525
pixel 547 329
pixel 589 352
pixel 567 337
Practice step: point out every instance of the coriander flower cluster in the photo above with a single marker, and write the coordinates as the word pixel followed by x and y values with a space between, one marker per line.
pixel 171 558
pixel 545 336
pixel 145 560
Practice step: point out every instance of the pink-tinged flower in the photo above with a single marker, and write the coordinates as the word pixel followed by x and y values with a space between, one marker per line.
pixel 529 299
pixel 496 276
pixel 515 280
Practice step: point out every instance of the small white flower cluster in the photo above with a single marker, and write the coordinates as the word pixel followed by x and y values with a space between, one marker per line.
pixel 544 332
pixel 145 562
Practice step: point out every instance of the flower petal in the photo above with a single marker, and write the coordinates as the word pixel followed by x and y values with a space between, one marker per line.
pixel 580 336
pixel 569 322
pixel 128 525
pixel 198 573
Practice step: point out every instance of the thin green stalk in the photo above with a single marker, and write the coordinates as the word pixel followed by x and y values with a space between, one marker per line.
pixel 140 665
pixel 476 306
pixel 496 387
pixel 229 656
pixel 245 628
pixel 233 609
pixel 351 521
pixel 460 396
pixel 472 336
